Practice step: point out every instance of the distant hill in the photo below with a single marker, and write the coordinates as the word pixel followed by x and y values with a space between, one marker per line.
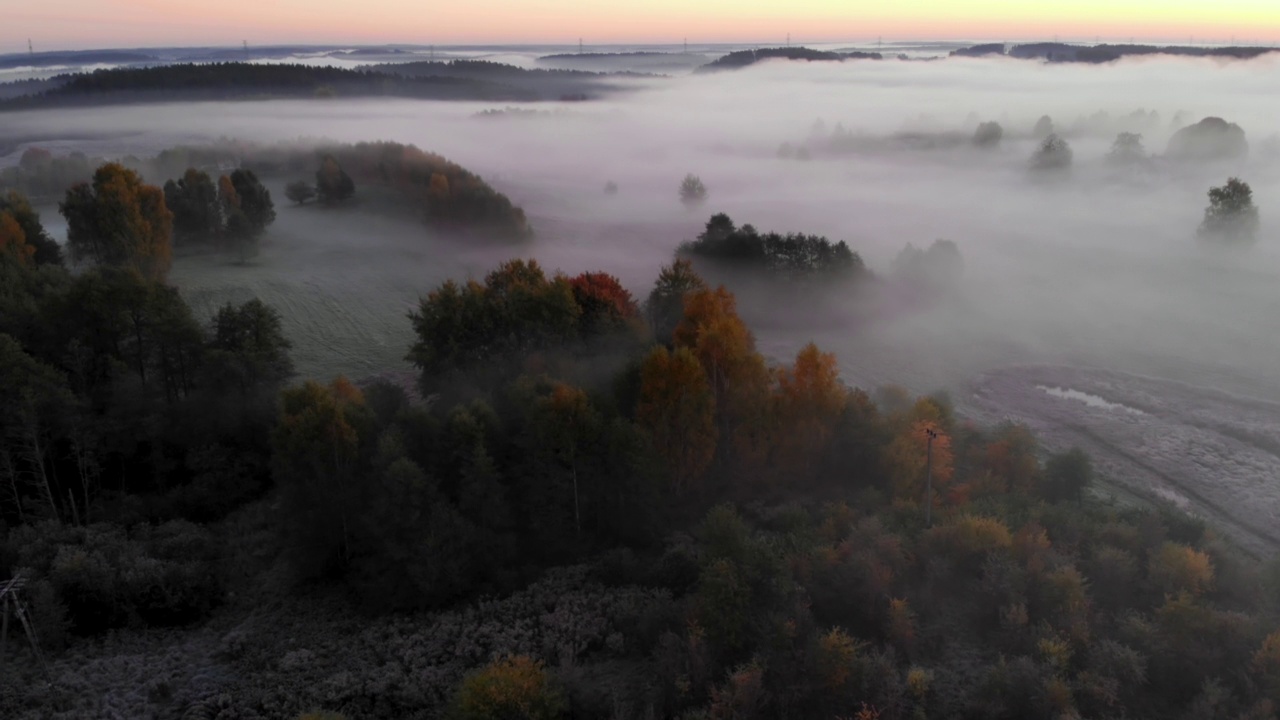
pixel 457 80
pixel 1066 52
pixel 745 58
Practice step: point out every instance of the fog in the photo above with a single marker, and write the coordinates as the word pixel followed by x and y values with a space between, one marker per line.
pixel 1099 268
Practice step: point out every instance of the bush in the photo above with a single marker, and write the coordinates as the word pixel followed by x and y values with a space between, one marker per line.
pixel 107 578
pixel 513 688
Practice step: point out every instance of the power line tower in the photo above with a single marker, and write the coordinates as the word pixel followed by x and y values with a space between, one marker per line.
pixel 246 51
pixel 579 46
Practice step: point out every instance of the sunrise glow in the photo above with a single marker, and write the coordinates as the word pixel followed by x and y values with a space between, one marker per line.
pixel 99 23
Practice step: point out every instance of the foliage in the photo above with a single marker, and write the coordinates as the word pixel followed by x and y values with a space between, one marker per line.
pixel 792 257
pixel 692 190
pixel 507 689
pixel 120 221
pixel 300 191
pixel 1231 217
pixel 988 134
pixel 1053 154
pixel 333 184
pixel 16 210
pixel 1127 149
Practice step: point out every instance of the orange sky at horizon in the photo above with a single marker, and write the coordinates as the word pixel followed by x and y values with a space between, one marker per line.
pixel 73 24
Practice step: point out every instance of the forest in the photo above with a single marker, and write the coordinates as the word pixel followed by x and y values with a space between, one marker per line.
pixel 586 504
pixel 257 81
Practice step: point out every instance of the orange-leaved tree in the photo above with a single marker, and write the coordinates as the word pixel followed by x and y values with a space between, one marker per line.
pixel 677 411
pixel 119 220
pixel 808 404
pixel 13 240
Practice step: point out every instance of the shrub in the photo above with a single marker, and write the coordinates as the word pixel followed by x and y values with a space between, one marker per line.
pixel 513 688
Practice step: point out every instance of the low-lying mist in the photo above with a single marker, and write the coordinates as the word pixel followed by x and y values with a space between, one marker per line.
pixel 1096 266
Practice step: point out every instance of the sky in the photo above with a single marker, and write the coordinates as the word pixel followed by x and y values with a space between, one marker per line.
pixel 78 24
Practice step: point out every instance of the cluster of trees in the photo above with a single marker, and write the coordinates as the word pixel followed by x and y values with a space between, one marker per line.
pixel 1231 217
pixel 230 80
pixel 937 267
pixel 445 194
pixel 121 406
pixel 783 512
pixel 42 175
pixel 792 257
pixel 236 210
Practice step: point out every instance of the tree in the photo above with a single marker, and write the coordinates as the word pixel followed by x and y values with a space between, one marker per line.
pixel 35 397
pixel 1127 149
pixel 255 201
pixel 315 451
pixel 249 210
pixel 46 249
pixel 197 212
pixel 13 240
pixel 1067 475
pixel 611 188
pixel 118 220
pixel 1043 128
pixel 1053 154
pixel 1231 216
pixel 810 403
pixel 606 305
pixel 692 191
pixel 333 184
pixel 511 688
pixel 247 349
pixel 677 411
pixel 300 191
pixel 665 306
pixel 988 135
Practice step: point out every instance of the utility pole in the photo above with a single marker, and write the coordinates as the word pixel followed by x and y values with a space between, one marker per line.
pixel 686 46
pixel 31 50
pixel 930 434
pixel 788 39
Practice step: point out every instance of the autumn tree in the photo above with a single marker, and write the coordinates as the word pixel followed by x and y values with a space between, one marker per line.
pixel 907 456
pixel 333 184
pixel 1179 568
pixel 677 411
pixel 509 688
pixel 810 401
pixel 13 240
pixel 118 220
pixel 493 327
pixel 46 249
pixel 665 305
pixel 248 210
pixel 606 305
pixel 737 374
pixel 1231 216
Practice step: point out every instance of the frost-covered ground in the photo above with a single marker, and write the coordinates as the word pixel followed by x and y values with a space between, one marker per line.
pixel 1214 454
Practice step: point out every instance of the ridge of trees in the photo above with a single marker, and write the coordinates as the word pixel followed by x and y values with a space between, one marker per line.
pixel 791 257
pixel 744 58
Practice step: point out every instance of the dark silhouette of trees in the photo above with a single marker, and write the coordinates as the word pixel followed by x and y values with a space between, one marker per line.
pixel 988 134
pixel 197 210
pixel 792 257
pixel 300 191
pixel 1231 216
pixel 1127 149
pixel 333 184
pixel 1053 155
pixel 45 250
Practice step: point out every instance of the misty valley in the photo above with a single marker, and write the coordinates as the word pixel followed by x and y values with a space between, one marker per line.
pixel 839 382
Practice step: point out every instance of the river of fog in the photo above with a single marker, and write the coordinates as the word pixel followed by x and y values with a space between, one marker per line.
pixel 1096 269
